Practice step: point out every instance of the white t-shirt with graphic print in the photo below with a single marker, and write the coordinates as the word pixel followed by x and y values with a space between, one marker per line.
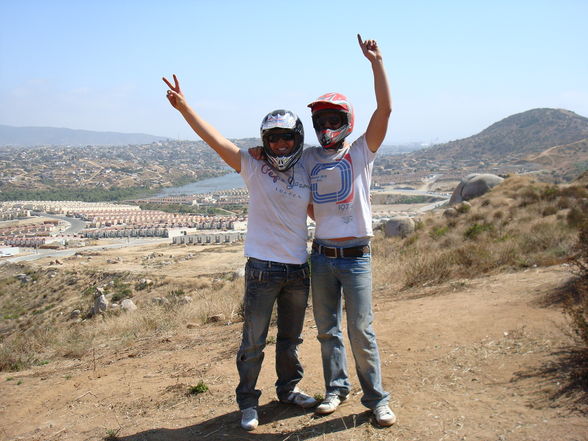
pixel 276 226
pixel 340 186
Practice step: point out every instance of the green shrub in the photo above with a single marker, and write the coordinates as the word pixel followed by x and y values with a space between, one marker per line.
pixel 438 232
pixel 473 231
pixel 200 388
pixel 122 293
pixel 578 311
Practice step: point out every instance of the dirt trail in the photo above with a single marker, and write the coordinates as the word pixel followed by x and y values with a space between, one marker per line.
pixel 465 361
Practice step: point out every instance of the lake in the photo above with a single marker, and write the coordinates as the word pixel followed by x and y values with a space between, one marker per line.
pixel 225 182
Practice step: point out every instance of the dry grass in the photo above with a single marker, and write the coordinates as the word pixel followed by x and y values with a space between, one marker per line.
pixel 37 328
pixel 520 224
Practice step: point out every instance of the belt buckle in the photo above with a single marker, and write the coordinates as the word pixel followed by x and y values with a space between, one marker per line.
pixel 330 252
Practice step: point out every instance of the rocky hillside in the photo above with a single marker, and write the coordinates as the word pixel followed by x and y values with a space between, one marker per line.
pixel 522 134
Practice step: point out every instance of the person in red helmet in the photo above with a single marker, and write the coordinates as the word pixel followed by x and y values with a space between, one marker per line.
pixel 340 176
pixel 275 246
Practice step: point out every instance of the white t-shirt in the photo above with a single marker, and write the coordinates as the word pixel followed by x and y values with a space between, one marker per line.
pixel 340 186
pixel 276 228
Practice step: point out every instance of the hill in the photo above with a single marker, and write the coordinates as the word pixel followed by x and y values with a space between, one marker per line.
pixel 551 143
pixel 518 135
pixel 35 136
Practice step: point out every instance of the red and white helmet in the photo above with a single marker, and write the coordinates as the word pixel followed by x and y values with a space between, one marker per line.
pixel 336 102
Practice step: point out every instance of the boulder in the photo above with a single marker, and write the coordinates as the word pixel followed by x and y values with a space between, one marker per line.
pixel 399 227
pixel 128 305
pixel 473 186
pixel 100 305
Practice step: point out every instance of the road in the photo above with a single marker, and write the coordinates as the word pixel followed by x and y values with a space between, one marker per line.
pixel 42 253
pixel 75 225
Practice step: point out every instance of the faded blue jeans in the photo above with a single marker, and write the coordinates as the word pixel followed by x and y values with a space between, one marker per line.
pixel 349 278
pixel 265 284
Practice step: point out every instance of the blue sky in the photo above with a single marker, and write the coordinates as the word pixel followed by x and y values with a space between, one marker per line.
pixel 455 67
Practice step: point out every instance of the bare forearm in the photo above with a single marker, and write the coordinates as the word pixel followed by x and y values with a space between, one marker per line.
pixel 381 87
pixel 378 126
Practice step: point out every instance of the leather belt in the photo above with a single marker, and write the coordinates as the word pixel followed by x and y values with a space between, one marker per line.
pixel 341 252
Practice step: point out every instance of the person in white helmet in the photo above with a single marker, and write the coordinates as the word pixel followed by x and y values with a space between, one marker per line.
pixel 340 176
pixel 275 247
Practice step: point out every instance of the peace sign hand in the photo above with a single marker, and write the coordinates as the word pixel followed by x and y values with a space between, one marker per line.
pixel 370 49
pixel 174 94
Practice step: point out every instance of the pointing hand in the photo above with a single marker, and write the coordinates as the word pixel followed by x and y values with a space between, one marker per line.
pixel 370 49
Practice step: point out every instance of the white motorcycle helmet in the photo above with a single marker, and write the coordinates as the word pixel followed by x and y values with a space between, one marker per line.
pixel 283 120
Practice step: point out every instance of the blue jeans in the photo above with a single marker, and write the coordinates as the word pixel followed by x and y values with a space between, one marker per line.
pixel 351 277
pixel 265 283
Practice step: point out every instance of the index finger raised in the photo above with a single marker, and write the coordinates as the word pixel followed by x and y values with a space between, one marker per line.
pixel 359 40
pixel 166 81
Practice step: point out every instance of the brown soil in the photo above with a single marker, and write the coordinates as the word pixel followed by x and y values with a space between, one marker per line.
pixel 484 359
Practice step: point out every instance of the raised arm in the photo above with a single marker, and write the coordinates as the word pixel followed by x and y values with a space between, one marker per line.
pixel 228 151
pixel 378 125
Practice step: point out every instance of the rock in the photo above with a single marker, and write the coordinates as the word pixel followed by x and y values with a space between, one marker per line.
pixel 238 274
pixel 100 305
pixel 75 314
pixel 184 300
pixel 399 227
pixel 146 282
pixel 24 278
pixel 472 186
pixel 216 318
pixel 162 301
pixel 128 305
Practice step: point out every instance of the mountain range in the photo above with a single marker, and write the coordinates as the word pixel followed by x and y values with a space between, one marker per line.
pixel 517 137
pixel 44 136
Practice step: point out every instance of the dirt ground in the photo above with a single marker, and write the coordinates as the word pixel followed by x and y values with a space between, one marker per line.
pixel 165 259
pixel 483 359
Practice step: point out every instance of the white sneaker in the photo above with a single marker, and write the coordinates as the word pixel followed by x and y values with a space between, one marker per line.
pixel 329 404
pixel 299 398
pixel 249 419
pixel 384 415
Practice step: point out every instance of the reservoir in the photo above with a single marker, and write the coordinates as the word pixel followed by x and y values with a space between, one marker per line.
pixel 210 185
